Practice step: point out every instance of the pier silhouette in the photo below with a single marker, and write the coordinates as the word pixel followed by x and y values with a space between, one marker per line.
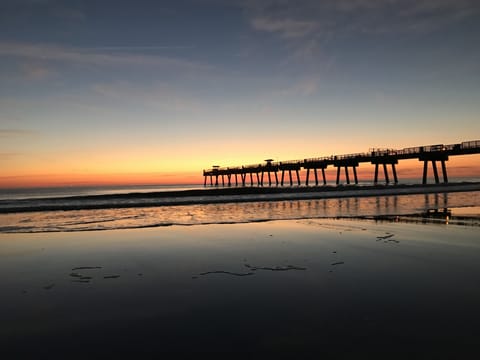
pixel 257 174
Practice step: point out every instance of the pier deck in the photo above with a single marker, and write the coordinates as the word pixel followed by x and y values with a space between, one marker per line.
pixel 268 172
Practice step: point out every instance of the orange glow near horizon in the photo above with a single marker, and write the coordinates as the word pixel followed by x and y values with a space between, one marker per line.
pixel 61 180
pixel 457 167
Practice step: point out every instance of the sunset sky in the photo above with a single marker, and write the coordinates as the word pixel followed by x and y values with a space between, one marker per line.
pixel 98 92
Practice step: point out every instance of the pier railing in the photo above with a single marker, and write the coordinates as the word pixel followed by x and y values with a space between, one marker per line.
pixel 377 156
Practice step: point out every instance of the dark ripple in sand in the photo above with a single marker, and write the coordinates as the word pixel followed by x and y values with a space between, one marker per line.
pixel 86 268
pixel 385 237
pixel 276 268
pixel 252 268
pixel 225 272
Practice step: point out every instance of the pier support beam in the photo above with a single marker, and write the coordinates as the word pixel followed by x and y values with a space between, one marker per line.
pixel 394 170
pixel 425 168
pixel 355 177
pixel 384 162
pixel 433 158
pixel 287 167
pixel 346 175
pixel 435 172
pixel 315 166
pixel 444 172
pixel 387 180
pixel 345 164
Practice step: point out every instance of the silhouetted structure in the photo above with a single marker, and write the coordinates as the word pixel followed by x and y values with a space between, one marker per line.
pixel 384 157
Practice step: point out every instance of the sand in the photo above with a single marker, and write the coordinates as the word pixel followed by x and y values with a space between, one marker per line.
pixel 322 286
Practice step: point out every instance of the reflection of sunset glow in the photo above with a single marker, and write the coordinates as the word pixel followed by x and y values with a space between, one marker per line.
pixel 240 212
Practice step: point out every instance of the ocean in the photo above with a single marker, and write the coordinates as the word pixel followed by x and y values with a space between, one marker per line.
pixel 111 208
pixel 347 271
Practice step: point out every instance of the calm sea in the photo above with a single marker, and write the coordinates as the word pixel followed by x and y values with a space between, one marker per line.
pixel 85 209
pixel 56 192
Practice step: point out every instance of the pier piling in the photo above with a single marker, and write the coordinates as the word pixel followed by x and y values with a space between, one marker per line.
pixel 428 154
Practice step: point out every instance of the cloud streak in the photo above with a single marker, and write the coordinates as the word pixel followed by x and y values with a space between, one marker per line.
pixel 94 56
pixel 306 27
pixel 157 96
pixel 287 28
pixel 306 18
pixel 15 133
pixel 35 71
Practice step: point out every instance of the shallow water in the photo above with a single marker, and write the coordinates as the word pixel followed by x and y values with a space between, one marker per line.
pixel 342 286
pixel 235 212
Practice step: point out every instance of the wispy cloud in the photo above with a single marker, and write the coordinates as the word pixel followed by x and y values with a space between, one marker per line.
pixel 287 28
pixel 307 26
pixel 95 56
pixel 313 18
pixel 158 96
pixel 141 48
pixel 35 71
pixel 13 133
pixel 303 87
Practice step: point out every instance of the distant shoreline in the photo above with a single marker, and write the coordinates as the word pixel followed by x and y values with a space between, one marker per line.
pixel 257 190
pixel 254 190
pixel 224 195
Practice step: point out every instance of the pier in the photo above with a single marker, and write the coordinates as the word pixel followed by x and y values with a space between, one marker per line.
pixel 270 171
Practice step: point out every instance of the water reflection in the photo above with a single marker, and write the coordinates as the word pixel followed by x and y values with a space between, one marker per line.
pixel 434 200
pixel 445 216
pixel 429 206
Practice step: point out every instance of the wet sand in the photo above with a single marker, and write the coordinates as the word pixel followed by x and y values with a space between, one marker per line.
pixel 321 286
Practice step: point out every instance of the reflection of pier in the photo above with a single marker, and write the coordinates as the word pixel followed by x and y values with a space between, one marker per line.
pixel 437 213
pixel 255 174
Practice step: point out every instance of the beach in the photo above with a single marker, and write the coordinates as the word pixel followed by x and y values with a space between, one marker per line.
pixel 296 178
pixel 322 286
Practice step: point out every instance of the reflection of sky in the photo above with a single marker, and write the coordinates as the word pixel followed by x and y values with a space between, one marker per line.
pixel 353 290
pixel 115 87
pixel 233 212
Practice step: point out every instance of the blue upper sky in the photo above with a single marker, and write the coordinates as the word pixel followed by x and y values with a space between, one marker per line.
pixel 275 78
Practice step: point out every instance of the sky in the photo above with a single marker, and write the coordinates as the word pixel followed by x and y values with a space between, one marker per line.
pixel 144 92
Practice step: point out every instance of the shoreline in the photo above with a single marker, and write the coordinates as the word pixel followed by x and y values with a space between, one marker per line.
pixel 224 195
pixel 257 190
